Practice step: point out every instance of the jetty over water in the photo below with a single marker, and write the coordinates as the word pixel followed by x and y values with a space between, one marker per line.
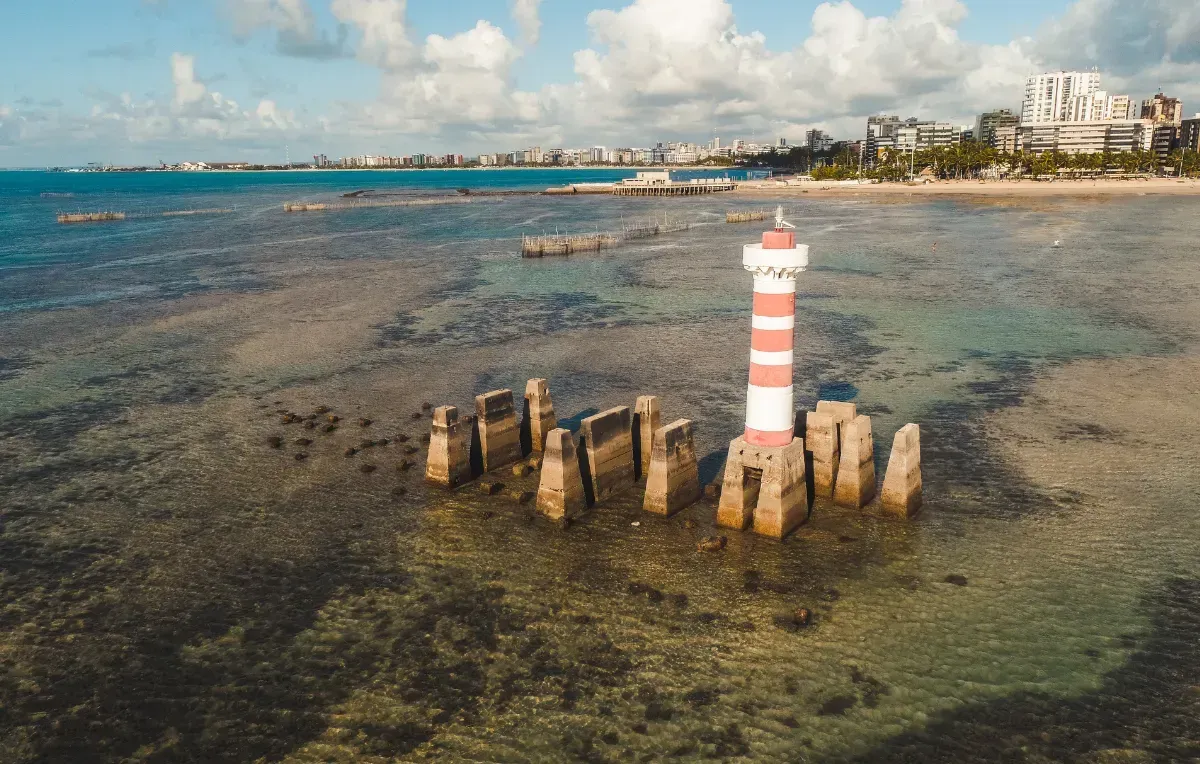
pixel 107 216
pixel 357 203
pixel 660 183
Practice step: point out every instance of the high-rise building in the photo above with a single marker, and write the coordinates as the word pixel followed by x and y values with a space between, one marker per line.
pixel 818 141
pixel 1086 137
pixel 881 129
pixel 1098 107
pixel 1165 140
pixel 987 123
pixel 1189 134
pixel 1163 110
pixel 1049 96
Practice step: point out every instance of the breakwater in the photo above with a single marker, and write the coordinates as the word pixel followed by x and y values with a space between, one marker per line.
pixel 566 244
pixel 107 216
pixel 746 216
pixel 357 203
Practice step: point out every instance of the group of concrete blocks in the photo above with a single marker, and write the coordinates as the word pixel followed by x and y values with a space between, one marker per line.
pixel 615 448
pixel 767 488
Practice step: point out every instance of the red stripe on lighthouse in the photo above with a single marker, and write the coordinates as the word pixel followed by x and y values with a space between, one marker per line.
pixel 774 304
pixel 769 439
pixel 771 340
pixel 770 376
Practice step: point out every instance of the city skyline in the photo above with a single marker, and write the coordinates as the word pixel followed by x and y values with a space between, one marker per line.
pixel 240 80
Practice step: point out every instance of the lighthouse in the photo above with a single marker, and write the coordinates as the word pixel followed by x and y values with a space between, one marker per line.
pixel 764 474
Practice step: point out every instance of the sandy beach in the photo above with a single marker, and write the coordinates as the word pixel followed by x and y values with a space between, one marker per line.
pixel 1146 187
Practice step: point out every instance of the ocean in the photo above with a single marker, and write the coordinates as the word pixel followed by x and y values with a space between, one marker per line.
pixel 176 589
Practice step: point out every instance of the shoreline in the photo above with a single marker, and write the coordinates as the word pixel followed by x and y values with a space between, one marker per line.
pixel 1001 188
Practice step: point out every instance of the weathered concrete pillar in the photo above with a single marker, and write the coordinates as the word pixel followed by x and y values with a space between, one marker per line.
pixel 783 499
pixel 647 418
pixel 608 445
pixel 449 462
pixel 842 414
pixel 902 481
pixel 821 439
pixel 560 488
pixel 539 417
pixel 499 435
pixel 739 489
pixel 765 487
pixel 855 485
pixel 673 478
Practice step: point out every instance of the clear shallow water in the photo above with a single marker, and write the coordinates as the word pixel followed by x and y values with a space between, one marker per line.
pixel 174 589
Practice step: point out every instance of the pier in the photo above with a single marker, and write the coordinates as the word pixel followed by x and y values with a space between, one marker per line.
pixel 660 183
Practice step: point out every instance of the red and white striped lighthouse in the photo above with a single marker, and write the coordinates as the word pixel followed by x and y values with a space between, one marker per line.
pixel 775 263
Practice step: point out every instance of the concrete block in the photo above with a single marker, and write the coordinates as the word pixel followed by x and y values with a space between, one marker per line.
pixel 673 478
pixel 499 435
pixel 560 489
pixel 539 417
pixel 608 445
pixel 765 487
pixel 855 484
pixel 647 418
pixel 783 497
pixel 821 440
pixel 449 462
pixel 739 489
pixel 902 481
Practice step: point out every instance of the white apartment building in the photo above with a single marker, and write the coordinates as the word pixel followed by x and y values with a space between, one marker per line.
pixel 1049 97
pixel 1099 107
pixel 912 134
pixel 1090 137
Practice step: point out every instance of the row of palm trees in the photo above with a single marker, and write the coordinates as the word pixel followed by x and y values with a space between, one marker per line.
pixel 977 160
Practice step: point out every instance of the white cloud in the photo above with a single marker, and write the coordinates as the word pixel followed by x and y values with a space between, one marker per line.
pixel 525 13
pixel 654 69
pixel 188 89
pixel 382 24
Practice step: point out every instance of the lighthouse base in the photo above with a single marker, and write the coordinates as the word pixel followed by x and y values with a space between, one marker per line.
pixel 764 487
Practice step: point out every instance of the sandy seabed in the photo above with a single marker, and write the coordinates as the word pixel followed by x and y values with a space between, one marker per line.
pixel 176 588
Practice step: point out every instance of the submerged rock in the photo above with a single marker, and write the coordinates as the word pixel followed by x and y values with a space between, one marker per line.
pixel 521 469
pixel 712 544
pixel 331 428
pixel 410 450
pixel 310 425
pixel 426 406
pixel 524 497
pixel 322 410
pixel 301 456
pixel 367 469
pixel 837 705
pixel 333 419
pixel 405 465
pixel 417 415
pixel 350 451
pixel 275 441
pixel 302 442
pixel 491 488
pixel 364 422
pixel 956 579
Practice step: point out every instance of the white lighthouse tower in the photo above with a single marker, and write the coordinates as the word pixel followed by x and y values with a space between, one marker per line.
pixel 764 474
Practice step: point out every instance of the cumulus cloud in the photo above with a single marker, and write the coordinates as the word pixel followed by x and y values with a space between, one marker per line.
pixel 384 31
pixel 653 69
pixel 525 13
pixel 188 89
pixel 294 23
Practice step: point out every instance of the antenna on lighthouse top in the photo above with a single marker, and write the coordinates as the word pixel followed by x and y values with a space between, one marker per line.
pixel 780 223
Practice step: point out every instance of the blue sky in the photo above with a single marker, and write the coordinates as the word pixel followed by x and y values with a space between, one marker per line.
pixel 106 77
